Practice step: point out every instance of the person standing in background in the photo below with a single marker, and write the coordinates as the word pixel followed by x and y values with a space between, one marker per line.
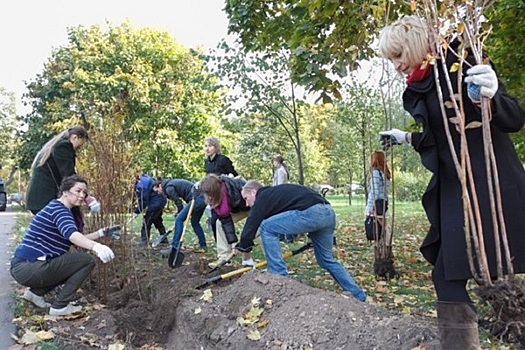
pixel 378 189
pixel 55 161
pixel 215 162
pixel 218 164
pixel 281 174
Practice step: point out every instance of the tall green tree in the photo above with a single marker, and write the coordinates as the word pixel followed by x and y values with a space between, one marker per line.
pixel 9 140
pixel 261 84
pixel 137 86
pixel 326 38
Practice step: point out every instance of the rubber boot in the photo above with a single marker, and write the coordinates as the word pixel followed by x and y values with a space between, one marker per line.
pixel 144 238
pixel 458 326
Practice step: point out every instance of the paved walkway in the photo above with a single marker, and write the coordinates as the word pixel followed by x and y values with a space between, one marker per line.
pixel 7 224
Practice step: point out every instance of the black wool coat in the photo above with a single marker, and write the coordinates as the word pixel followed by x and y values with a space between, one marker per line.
pixel 442 199
pixel 45 179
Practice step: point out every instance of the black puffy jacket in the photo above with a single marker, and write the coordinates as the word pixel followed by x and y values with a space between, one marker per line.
pixel 237 204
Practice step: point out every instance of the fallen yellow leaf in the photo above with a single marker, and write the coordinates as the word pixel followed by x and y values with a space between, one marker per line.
pixel 262 324
pixel 254 335
pixel 207 295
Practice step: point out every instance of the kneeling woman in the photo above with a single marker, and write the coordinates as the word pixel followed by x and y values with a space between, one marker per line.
pixel 42 261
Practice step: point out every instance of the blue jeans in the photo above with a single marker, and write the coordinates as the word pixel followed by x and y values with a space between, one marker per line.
pixel 319 222
pixel 195 219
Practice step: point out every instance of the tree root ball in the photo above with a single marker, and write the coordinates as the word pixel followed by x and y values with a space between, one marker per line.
pixel 507 300
pixel 384 268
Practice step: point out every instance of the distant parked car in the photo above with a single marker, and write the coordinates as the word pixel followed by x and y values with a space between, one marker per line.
pixel 354 188
pixel 324 189
pixel 3 200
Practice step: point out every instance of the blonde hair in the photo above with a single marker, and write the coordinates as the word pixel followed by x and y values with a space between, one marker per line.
pixel 43 155
pixel 406 38
pixel 213 142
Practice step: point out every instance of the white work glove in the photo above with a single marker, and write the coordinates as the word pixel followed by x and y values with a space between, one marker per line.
pixel 103 252
pixel 110 231
pixel 94 205
pixel 393 137
pixel 481 77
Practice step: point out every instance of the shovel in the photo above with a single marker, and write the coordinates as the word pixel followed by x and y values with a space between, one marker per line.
pixel 220 266
pixel 159 239
pixel 176 257
pixel 242 270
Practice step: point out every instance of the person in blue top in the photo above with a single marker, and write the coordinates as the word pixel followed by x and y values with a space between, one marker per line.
pixel 153 204
pixel 179 190
pixel 43 261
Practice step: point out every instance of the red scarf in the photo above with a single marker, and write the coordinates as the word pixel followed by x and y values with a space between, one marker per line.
pixel 419 74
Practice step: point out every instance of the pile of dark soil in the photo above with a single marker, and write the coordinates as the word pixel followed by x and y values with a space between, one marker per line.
pixel 156 307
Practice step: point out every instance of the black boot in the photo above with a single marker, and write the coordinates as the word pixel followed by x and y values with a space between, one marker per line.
pixel 458 326
pixel 144 238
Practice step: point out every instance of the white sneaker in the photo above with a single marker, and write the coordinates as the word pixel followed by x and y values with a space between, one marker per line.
pixel 248 263
pixel 68 310
pixel 35 299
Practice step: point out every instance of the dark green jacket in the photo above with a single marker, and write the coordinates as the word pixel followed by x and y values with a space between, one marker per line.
pixel 46 179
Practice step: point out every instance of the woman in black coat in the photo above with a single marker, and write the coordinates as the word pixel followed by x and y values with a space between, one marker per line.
pixel 406 43
pixel 55 161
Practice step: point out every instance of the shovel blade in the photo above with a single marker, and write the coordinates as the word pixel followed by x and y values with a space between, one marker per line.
pixel 160 239
pixel 176 258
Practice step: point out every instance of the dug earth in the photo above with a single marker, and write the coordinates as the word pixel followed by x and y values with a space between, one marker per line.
pixel 155 307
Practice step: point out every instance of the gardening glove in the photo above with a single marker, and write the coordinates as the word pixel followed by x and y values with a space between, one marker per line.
pixel 481 81
pixel 94 205
pixel 112 232
pixel 103 252
pixel 393 137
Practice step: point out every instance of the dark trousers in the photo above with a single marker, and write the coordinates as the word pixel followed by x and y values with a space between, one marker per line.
pixel 447 290
pixel 70 269
pixel 152 218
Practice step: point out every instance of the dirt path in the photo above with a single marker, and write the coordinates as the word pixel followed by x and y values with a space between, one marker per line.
pixel 7 223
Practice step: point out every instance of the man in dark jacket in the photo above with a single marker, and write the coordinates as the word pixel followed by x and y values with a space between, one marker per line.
pixel 290 210
pixel 179 190
pixel 153 203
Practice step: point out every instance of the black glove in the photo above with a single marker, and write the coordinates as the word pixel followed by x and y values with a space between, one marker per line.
pixel 112 232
